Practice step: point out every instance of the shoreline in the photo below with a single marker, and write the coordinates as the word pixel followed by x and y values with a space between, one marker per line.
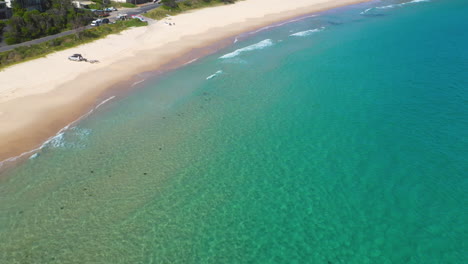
pixel 50 103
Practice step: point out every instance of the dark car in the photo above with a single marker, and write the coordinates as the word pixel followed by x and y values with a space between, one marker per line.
pixel 105 21
pixel 101 13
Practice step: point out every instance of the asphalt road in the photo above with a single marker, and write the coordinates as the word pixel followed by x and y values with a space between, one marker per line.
pixel 130 11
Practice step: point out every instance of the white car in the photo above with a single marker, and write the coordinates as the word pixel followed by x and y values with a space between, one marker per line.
pixel 96 22
pixel 139 17
pixel 122 17
pixel 76 57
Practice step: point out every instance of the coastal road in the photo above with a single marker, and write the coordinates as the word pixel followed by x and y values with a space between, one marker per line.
pixel 129 11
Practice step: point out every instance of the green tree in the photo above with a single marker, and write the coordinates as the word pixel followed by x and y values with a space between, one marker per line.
pixel 2 27
pixel 59 16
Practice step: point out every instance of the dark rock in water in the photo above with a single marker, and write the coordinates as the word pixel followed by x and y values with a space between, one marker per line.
pixel 205 93
pixel 84 189
pixel 160 148
pixel 144 173
pixel 164 117
pixel 92 171
pixel 20 212
pixel 335 23
pixel 61 208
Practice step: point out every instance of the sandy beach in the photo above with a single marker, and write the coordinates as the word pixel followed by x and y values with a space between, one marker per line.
pixel 40 97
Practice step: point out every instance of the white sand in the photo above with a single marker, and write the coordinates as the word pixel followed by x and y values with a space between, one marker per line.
pixel 39 97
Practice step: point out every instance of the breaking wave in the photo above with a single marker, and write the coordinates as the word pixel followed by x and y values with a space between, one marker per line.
pixel 214 75
pixel 307 32
pixel 393 6
pixel 192 61
pixel 56 139
pixel 137 82
pixel 258 46
pixel 73 139
pixel 281 24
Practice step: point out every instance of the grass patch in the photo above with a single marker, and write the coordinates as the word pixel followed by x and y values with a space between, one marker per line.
pixel 162 11
pixel 25 53
pixel 127 5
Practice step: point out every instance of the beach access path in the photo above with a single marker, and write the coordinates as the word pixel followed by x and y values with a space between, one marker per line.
pixel 40 97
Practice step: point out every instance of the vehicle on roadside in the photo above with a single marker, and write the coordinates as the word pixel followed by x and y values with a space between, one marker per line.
pixel 139 17
pixel 122 17
pixel 110 9
pixel 97 22
pixel 76 57
pixel 101 13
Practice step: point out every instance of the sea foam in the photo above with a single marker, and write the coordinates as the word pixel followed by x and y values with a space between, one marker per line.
pixel 214 75
pixel 75 138
pixel 307 32
pixel 257 46
pixel 138 82
pixel 392 6
pixel 280 24
pixel 54 140
pixel 192 61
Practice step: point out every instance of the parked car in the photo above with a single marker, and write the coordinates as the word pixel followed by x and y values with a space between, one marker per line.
pixel 110 9
pixel 101 13
pixel 76 57
pixel 105 21
pixel 122 17
pixel 139 17
pixel 97 22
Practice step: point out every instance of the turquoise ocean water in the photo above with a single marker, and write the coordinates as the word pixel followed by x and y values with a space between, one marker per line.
pixel 337 138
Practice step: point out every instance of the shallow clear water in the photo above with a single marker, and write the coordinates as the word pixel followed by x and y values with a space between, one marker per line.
pixel 340 138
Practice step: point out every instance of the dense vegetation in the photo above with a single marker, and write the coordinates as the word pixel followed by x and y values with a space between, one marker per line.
pixel 2 27
pixel 60 15
pixel 171 7
pixel 126 5
pixel 101 4
pixel 25 53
